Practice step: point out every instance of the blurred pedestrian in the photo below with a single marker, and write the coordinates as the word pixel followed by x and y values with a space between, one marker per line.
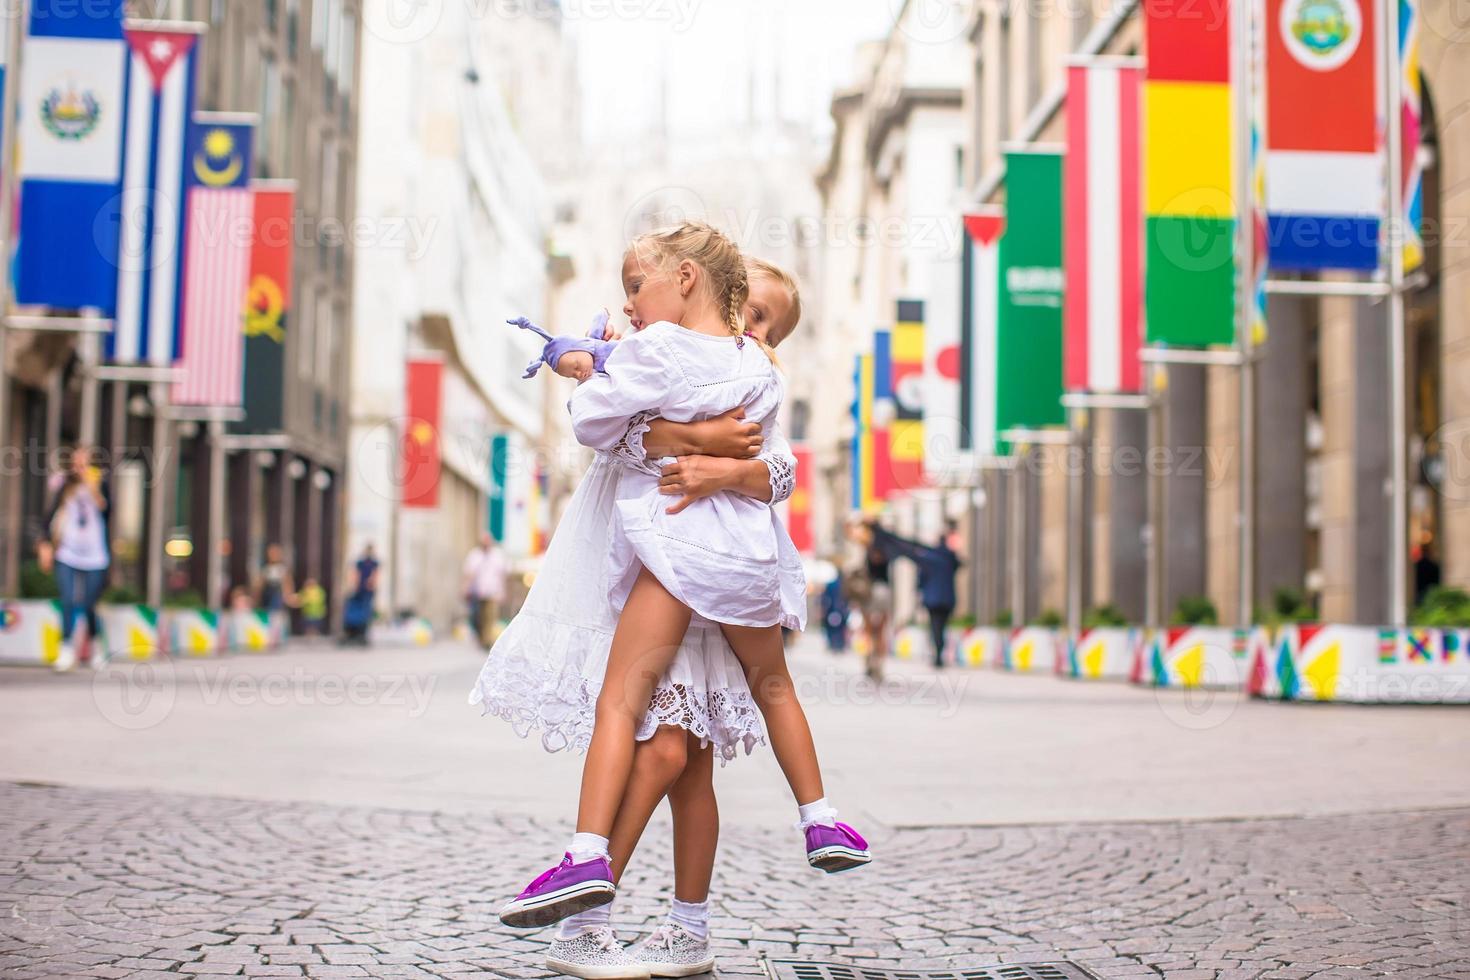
pixel 274 589
pixel 357 611
pixel 313 601
pixel 78 550
pixel 938 565
pixel 865 584
pixel 835 611
pixel 483 587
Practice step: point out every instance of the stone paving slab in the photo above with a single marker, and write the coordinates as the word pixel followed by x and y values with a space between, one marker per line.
pixel 123 883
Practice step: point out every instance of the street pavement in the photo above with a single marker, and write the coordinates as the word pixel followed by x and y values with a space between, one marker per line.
pixel 332 814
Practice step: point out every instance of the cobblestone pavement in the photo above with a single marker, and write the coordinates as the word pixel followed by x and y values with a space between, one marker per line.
pixel 104 883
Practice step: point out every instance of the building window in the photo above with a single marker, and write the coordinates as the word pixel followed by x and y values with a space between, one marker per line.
pixel 1003 79
pixel 273 15
pixel 293 27
pixel 979 143
pixel 306 343
pixel 326 337
pixel 318 25
pixel 1035 54
pixel 270 115
pixel 347 50
pixel 288 128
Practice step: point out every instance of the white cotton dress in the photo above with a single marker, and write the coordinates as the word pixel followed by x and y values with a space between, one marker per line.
pixel 727 557
pixel 546 669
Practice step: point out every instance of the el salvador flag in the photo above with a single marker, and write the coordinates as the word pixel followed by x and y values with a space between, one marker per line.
pixel 161 79
pixel 72 91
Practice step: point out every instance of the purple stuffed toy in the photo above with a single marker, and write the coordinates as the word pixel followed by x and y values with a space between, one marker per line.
pixel 557 346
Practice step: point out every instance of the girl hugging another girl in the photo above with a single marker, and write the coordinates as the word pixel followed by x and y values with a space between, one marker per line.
pixel 653 633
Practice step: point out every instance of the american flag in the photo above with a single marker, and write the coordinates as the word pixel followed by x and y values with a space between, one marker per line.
pixel 220 211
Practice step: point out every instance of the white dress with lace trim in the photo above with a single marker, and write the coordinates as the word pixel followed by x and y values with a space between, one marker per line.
pixel 546 669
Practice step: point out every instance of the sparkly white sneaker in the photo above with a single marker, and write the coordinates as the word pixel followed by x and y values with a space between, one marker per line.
pixel 595 955
pixel 673 951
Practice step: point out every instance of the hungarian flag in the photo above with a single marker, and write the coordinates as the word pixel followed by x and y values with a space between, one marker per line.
pixel 979 327
pixel 1189 199
pixel 423 407
pixel 219 208
pixel 1103 220
pixel 1324 172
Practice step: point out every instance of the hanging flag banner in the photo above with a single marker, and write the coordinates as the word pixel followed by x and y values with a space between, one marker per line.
pixel 1103 220
pixel 161 81
pixel 499 473
pixel 4 71
pixel 1411 114
pixel 799 512
pixel 422 413
pixel 1324 173
pixel 1189 206
pixel 980 327
pixel 946 462
pixel 860 452
pixel 70 140
pixel 219 209
pixel 881 418
pixel 1029 342
pixel 268 303
pixel 906 433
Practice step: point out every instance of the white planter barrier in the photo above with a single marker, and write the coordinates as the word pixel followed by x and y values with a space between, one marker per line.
pixel 30 631
pixel 254 630
pixel 192 632
pixel 1364 665
pixel 1033 650
pixel 1196 657
pixel 912 643
pixel 130 632
pixel 982 646
pixel 1106 653
pixel 416 632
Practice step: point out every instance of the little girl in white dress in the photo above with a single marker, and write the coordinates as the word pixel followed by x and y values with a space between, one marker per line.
pixel 724 557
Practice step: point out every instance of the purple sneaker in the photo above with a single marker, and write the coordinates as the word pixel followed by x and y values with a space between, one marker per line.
pixel 835 847
pixel 564 890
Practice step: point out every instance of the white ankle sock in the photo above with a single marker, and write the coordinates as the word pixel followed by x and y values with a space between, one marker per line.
pixel 574 925
pixel 693 916
pixel 585 847
pixel 817 811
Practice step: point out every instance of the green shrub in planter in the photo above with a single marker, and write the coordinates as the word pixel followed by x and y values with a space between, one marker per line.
pixel 122 595
pixel 184 599
pixel 1002 619
pixel 1287 606
pixel 1444 607
pixel 965 622
pixel 36 584
pixel 1196 610
pixel 1104 616
pixel 1049 618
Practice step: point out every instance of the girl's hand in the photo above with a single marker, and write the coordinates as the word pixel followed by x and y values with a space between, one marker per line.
pixel 692 478
pixel 729 435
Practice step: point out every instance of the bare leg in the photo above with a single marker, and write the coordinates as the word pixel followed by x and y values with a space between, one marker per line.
pixel 647 638
pixel 763 657
pixel 657 765
pixel 696 824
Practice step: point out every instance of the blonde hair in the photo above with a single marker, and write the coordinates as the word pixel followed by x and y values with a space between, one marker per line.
pixel 769 270
pixel 708 248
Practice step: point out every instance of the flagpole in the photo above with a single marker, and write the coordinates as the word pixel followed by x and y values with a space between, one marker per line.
pixel 15 17
pixel 1017 538
pixel 1076 518
pixel 1243 69
pixel 1398 544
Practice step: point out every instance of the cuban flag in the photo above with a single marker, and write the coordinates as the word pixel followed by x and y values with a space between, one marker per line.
pixel 161 73
pixel 1325 172
pixel 219 210
pixel 72 90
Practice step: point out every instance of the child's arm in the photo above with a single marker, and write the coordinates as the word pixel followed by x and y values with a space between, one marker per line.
pixel 636 379
pixel 728 435
pixel 770 477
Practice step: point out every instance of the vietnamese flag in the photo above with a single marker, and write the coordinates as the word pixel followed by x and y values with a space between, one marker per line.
pixel 423 403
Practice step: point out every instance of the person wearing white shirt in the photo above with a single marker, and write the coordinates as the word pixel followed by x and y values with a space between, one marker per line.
pixel 483 576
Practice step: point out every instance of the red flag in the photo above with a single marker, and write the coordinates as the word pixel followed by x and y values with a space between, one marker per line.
pixel 799 512
pixel 160 49
pixel 423 401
